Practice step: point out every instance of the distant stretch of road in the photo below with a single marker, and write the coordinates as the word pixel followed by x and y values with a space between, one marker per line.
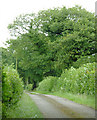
pixel 56 107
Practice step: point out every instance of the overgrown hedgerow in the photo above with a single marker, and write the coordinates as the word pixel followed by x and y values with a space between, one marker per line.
pixel 81 80
pixel 77 81
pixel 12 87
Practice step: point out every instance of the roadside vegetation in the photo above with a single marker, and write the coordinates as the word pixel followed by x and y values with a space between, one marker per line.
pixel 12 88
pixel 25 108
pixel 77 81
pixel 74 84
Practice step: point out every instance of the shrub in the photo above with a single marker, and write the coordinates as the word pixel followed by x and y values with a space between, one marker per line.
pixel 47 84
pixel 81 80
pixel 29 87
pixel 12 87
pixel 77 81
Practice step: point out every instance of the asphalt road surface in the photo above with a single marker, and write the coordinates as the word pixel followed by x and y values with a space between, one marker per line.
pixel 56 107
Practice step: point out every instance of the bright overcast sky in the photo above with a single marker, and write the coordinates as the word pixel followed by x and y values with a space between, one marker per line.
pixel 9 9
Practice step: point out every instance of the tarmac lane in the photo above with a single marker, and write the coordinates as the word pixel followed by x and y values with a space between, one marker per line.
pixel 56 107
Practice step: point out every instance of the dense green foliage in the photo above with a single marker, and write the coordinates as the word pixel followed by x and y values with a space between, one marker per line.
pixel 47 84
pixel 12 88
pixel 48 43
pixel 7 56
pixel 83 60
pixel 29 87
pixel 77 81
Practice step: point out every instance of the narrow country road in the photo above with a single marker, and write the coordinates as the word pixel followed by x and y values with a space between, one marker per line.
pixel 56 107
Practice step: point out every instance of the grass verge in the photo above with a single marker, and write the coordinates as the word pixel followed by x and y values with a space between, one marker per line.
pixel 80 99
pixel 25 108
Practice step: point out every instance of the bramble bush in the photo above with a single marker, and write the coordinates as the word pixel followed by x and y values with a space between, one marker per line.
pixel 12 88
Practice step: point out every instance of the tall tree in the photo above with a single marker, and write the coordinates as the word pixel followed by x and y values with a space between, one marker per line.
pixel 51 41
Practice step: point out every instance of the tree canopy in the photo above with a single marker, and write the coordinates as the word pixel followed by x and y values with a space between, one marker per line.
pixel 51 41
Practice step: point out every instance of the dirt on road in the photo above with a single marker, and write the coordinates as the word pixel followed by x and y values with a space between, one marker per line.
pixel 56 107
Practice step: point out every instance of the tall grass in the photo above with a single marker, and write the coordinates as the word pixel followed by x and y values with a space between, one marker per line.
pixel 87 100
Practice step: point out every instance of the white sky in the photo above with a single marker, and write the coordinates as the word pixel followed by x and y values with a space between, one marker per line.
pixel 9 9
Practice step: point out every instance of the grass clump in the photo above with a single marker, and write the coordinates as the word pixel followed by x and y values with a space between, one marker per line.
pixel 25 108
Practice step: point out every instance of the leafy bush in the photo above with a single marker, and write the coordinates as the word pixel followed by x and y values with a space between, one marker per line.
pixel 77 81
pixel 29 87
pixel 47 84
pixel 81 80
pixel 12 87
